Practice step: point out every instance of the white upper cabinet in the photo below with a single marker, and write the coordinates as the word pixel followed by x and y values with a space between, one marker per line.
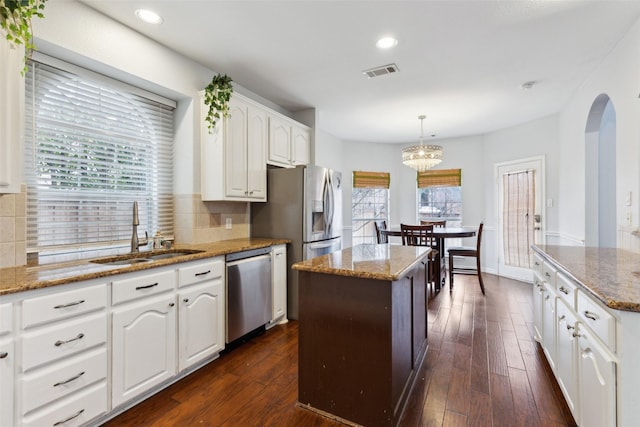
pixel 289 142
pixel 233 155
pixel 11 115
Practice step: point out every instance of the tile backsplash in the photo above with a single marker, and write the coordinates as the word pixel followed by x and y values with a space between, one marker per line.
pixel 13 229
pixel 196 221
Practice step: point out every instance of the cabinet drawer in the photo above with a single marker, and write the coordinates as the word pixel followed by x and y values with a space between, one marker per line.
pixel 63 340
pixel 78 409
pixel 598 319
pixel 537 264
pixel 62 305
pixel 567 290
pixel 62 379
pixel 549 273
pixel 142 286
pixel 200 271
pixel 6 318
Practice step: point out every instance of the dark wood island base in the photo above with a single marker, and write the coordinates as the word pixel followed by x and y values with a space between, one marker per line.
pixel 362 332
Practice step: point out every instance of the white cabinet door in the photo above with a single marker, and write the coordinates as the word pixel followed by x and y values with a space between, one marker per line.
pixel 201 321
pixel 597 378
pixel 300 145
pixel 144 346
pixel 279 141
pixel 7 357
pixel 279 281
pixel 256 153
pixel 538 294
pixel 567 357
pixel 11 115
pixel 549 326
pixel 236 149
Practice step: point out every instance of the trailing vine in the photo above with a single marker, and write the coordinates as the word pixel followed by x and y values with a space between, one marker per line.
pixel 217 96
pixel 15 19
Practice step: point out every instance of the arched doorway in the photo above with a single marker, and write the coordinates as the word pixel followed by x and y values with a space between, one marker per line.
pixel 600 174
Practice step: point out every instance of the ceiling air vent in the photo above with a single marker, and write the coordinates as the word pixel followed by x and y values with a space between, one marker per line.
pixel 381 71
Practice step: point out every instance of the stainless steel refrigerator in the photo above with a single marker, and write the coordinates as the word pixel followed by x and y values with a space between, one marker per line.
pixel 304 205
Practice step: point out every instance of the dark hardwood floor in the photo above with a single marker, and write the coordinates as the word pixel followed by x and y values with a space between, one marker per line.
pixel 483 368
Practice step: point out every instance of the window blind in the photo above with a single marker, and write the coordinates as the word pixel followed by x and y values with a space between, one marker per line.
pixel 362 179
pixel 92 149
pixel 440 178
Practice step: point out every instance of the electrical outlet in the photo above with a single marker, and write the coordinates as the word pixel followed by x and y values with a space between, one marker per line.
pixel 228 223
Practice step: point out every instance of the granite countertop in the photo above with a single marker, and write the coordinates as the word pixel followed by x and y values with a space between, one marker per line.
pixel 610 275
pixel 367 261
pixel 24 278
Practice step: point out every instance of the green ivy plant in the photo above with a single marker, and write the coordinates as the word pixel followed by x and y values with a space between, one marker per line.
pixel 217 95
pixel 15 19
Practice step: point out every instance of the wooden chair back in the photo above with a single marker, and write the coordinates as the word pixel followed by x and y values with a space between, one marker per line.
pixel 441 223
pixel 417 235
pixel 381 226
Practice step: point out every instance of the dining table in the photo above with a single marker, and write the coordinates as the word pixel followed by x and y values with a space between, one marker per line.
pixel 440 234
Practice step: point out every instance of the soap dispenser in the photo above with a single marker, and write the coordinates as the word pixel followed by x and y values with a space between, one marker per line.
pixel 157 241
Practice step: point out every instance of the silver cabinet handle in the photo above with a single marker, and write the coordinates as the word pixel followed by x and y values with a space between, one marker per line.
pixel 3 354
pixel 69 380
pixel 186 300
pixel 569 327
pixel 590 315
pixel 77 414
pixel 547 297
pixel 171 304
pixel 564 290
pixel 562 317
pixel 547 274
pixel 71 304
pixel 536 263
pixel 576 335
pixel 146 286
pixel 60 342
pixel 204 273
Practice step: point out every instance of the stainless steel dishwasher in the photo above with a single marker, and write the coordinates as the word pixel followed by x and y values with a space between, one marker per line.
pixel 249 300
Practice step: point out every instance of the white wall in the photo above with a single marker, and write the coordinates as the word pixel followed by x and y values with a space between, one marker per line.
pixel 619 77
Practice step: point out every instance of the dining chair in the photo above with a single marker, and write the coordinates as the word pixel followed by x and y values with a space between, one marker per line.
pixel 422 235
pixel 381 226
pixel 468 252
pixel 439 223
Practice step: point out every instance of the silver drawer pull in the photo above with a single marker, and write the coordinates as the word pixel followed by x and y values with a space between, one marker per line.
pixel 547 274
pixel 71 304
pixel 576 335
pixel 3 354
pixel 564 290
pixel 60 342
pixel 69 380
pixel 569 327
pixel 590 315
pixel 203 273
pixel 146 286
pixel 77 414
pixel 562 317
pixel 536 263
pixel 547 297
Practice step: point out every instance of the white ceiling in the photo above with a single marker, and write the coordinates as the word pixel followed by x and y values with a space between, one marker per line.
pixel 461 62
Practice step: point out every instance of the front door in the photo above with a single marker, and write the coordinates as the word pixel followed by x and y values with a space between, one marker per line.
pixel 520 224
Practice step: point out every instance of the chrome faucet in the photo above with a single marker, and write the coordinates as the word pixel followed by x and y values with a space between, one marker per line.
pixel 135 244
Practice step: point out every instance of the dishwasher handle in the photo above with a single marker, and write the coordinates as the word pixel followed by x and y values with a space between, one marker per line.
pixel 251 259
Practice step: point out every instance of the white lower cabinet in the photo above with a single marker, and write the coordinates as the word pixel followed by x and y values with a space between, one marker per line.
pixel 579 341
pixel 201 322
pixel 567 356
pixel 279 284
pixel 7 357
pixel 143 346
pixel 597 379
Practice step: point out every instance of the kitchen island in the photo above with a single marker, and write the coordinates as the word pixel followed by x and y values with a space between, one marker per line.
pixel 362 331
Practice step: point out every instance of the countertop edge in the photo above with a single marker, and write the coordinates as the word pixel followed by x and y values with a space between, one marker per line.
pixel 609 302
pixel 21 274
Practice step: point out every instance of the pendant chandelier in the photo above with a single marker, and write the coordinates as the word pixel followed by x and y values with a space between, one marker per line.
pixel 422 157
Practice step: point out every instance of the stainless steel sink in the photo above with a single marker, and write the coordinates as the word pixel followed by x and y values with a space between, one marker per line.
pixel 129 259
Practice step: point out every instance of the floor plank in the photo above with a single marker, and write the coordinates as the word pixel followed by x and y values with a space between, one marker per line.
pixel 482 368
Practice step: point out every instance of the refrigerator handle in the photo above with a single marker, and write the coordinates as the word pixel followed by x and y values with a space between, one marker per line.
pixel 328 211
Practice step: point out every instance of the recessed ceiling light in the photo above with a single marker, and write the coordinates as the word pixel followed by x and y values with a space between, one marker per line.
pixel 386 43
pixel 148 16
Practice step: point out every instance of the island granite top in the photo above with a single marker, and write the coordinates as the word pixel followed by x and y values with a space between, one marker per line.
pixel 367 261
pixel 29 277
pixel 611 275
